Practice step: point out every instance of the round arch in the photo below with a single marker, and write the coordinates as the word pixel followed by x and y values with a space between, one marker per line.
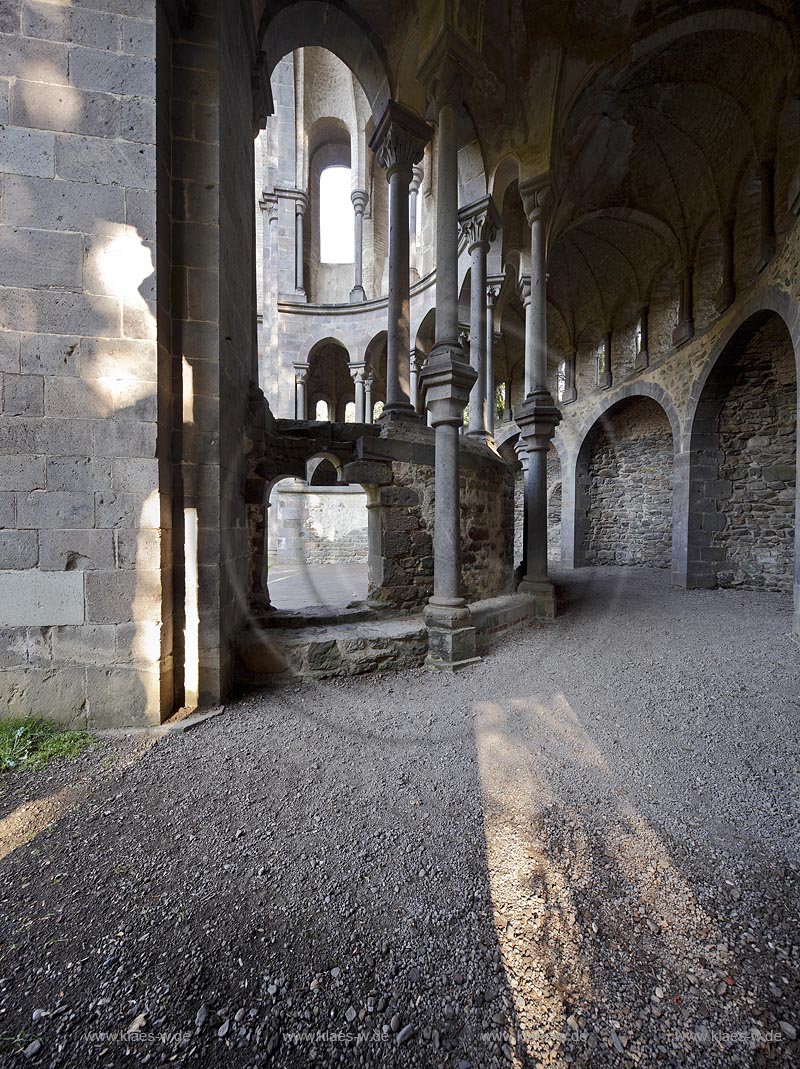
pixel 314 22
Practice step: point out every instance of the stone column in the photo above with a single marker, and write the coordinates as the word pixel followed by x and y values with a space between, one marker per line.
pixel 359 198
pixel 300 381
pixel 643 355
pixel 685 328
pixel 416 360
pixel 446 382
pixel 479 224
pixel 606 377
pixel 726 294
pixel 538 416
pixel 369 382
pixel 399 142
pixel 299 212
pixel 492 293
pixel 357 373
pixel 767 176
pixel 416 181
pixel 526 300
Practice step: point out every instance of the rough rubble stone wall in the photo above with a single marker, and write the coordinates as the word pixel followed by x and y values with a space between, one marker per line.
pixel 757 446
pixel 84 518
pixel 324 526
pixel 406 517
pixel 630 488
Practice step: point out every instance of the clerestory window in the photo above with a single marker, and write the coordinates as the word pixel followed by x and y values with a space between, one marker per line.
pixel 336 219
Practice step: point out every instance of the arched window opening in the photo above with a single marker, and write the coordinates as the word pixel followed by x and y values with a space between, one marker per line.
pixel 500 401
pixel 639 335
pixel 377 410
pixel 561 380
pixel 321 412
pixel 600 363
pixel 336 217
pixel 350 412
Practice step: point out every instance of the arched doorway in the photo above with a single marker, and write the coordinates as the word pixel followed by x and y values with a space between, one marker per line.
pixel 742 475
pixel 623 507
pixel 330 384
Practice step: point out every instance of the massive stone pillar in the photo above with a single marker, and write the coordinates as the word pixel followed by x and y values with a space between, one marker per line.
pixel 359 198
pixel 479 223
pixel 538 416
pixel 399 142
pixel 300 381
pixel 416 182
pixel 492 293
pixel 299 212
pixel 446 382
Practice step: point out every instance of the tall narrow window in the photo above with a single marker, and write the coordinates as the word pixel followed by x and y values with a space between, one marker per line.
pixel 600 357
pixel 561 380
pixel 336 217
pixel 321 411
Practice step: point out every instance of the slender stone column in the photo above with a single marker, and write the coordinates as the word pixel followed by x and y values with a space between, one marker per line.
pixel 369 382
pixel 414 363
pixel 446 382
pixel 416 181
pixel 357 373
pixel 299 212
pixel 685 328
pixel 300 381
pixel 399 142
pixel 492 293
pixel 479 225
pixel 538 416
pixel 726 294
pixel 526 299
pixel 643 355
pixel 359 198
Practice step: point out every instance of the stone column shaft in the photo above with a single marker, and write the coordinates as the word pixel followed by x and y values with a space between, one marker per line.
pixel 300 380
pixel 416 181
pixel 491 414
pixel 359 199
pixel 369 382
pixel 399 141
pixel 447 228
pixel 358 381
pixel 299 212
pixel 413 380
pixel 479 223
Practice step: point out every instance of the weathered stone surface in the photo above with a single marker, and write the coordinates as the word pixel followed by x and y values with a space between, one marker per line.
pixel 32 598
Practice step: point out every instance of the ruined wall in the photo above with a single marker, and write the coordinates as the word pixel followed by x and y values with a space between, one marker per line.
pixel 327 525
pixel 84 509
pixel 629 514
pixel 756 430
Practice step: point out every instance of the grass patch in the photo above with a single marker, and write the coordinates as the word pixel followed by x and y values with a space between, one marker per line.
pixel 27 742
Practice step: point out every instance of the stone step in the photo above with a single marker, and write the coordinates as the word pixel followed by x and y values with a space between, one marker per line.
pixel 344 649
pixel 316 616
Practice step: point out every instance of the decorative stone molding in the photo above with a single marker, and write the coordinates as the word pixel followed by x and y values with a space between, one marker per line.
pixel 535 194
pixel 360 199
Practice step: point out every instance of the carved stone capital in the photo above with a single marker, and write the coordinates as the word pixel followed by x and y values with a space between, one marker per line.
pixel 448 69
pixel 399 139
pixel 301 373
pixel 360 199
pixel 524 290
pixel 492 293
pixel 269 203
pixel 417 174
pixel 479 223
pixel 535 194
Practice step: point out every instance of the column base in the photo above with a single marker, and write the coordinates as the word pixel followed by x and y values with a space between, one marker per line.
pixel 450 650
pixel 543 594
pixel 479 436
pixel 357 295
pixel 403 410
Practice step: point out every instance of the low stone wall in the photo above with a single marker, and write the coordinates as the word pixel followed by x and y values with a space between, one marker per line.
pixel 317 525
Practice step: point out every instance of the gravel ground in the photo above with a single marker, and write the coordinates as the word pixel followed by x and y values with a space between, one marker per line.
pixel 582 852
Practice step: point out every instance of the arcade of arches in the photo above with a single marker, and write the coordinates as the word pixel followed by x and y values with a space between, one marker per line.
pixel 519 339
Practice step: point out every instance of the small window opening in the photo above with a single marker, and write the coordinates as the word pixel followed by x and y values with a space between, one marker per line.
pixel 336 217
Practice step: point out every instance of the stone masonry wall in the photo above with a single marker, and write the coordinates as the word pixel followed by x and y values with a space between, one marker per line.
pixel 553 508
pixel 630 488
pixel 84 524
pixel 320 526
pixel 757 444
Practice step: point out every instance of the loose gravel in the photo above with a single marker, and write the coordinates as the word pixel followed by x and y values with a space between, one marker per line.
pixel 583 852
